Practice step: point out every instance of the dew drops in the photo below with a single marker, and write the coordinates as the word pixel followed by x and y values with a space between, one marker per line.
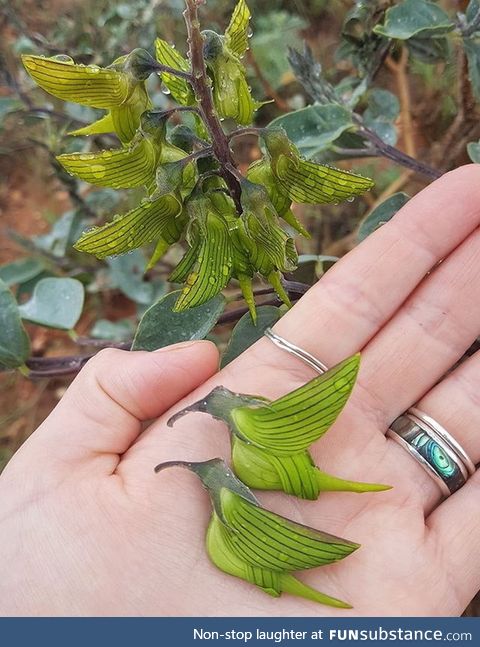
pixel 63 58
pixel 98 171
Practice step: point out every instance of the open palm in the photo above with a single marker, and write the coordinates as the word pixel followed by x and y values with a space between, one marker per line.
pixel 140 536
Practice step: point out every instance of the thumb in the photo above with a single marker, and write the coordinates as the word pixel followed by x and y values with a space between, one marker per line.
pixel 103 409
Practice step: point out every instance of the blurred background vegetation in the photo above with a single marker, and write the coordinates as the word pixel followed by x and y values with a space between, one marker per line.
pixel 428 111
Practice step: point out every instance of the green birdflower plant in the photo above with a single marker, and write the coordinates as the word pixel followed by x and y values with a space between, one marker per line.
pixel 233 227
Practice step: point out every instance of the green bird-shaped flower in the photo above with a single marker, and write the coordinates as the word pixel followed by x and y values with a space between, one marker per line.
pixel 260 172
pixel 160 218
pixel 270 440
pixel 231 92
pixel 256 545
pixel 118 88
pixel 304 181
pixel 206 268
pixel 133 165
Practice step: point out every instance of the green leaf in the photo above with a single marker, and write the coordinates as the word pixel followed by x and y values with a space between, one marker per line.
pixel 312 266
pixel 382 111
pixel 55 303
pixel 275 32
pixel 20 271
pixel 429 50
pixel 179 88
pixel 236 34
pixel 127 273
pixel 472 50
pixel 62 234
pixel 121 330
pixel 415 18
pixel 314 128
pixel 246 333
pixel 160 326
pixel 382 214
pixel 473 150
pixel 472 10
pixel 14 341
pixel 292 423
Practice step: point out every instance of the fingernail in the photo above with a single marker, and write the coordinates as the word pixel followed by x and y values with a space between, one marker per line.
pixel 182 345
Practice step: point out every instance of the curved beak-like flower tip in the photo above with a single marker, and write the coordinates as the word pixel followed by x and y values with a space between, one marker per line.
pixel 231 92
pixel 307 182
pixel 207 267
pixel 117 88
pixel 281 545
pixel 271 440
pixel 140 64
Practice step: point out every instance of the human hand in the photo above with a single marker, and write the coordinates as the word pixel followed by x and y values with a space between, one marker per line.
pixel 92 533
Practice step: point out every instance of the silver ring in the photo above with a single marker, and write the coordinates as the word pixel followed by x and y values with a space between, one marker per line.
pixel 440 455
pixel 307 358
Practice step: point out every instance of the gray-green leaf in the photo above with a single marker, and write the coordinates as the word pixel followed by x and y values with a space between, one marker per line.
pixel 381 113
pixel 160 326
pixel 55 303
pixel 473 150
pixel 382 214
pixel 14 341
pixel 314 128
pixel 414 18
pixel 247 333
pixel 20 271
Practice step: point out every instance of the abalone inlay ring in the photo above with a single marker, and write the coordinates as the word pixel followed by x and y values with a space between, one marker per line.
pixel 434 448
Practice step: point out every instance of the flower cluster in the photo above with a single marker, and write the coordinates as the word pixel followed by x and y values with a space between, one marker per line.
pixel 188 197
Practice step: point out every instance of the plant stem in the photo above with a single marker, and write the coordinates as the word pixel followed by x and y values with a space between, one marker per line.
pixel 50 367
pixel 203 91
pixel 394 154
pixel 159 67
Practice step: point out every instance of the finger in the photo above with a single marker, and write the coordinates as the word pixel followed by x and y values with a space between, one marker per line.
pixel 454 404
pixel 102 411
pixel 431 331
pixel 455 524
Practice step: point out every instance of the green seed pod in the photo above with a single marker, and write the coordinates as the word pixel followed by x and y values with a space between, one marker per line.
pixel 270 440
pixel 281 546
pixel 119 88
pixel 307 182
